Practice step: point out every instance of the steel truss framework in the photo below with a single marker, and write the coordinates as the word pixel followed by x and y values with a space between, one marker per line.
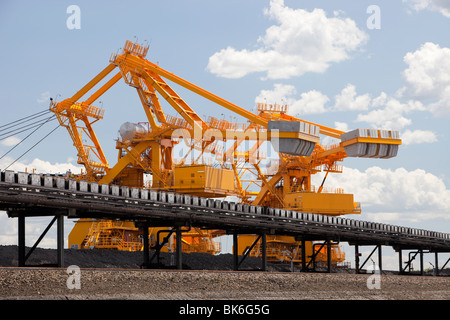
pixel 282 181
pixel 145 152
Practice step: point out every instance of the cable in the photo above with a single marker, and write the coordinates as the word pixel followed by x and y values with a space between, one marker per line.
pixel 43 111
pixel 24 128
pixel 48 120
pixel 9 126
pixel 14 132
pixel 32 147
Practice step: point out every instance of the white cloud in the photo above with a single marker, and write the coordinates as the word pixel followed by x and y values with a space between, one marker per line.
pixel 395 194
pixel 418 136
pixel 442 106
pixel 427 77
pixel 45 97
pixel 279 94
pixel 10 141
pixel 380 100
pixel 299 42
pixel 40 166
pixel 314 101
pixel 392 113
pixel 442 6
pixel 343 126
pixel 347 100
pixel 310 102
pixel 8 230
pixel 385 112
pixel 35 226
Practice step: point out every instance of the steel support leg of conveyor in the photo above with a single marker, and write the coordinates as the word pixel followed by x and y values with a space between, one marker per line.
pixel 329 256
pixel 21 240
pixel 235 252
pixel 380 259
pixel 357 255
pixel 146 248
pixel 60 241
pixel 421 262
pixel 436 263
pixel 179 253
pixel 264 252
pixel 303 256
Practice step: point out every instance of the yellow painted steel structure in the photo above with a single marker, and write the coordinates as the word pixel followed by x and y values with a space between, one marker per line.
pixel 284 249
pixel 203 180
pixel 124 236
pixel 235 148
pixel 105 234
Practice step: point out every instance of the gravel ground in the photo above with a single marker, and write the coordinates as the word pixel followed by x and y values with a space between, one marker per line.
pixel 131 283
pixel 34 283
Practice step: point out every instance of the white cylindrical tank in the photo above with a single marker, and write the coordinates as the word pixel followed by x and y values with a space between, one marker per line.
pixel 128 130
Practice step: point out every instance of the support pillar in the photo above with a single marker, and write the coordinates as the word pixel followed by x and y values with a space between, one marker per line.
pixel 146 248
pixel 400 262
pixel 264 252
pixel 179 252
pixel 380 259
pixel 357 255
pixel 303 256
pixel 313 257
pixel 421 262
pixel 21 240
pixel 235 252
pixel 60 241
pixel 329 256
pixel 436 263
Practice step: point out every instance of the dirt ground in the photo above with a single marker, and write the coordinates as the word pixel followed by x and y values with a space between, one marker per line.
pixel 38 283
pixel 124 280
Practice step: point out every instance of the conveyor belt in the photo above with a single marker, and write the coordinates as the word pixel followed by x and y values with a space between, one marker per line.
pixel 33 194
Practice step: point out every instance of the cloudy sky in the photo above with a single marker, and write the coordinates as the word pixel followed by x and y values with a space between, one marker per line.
pixel 344 64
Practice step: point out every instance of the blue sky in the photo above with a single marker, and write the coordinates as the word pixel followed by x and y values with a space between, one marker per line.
pixel 320 57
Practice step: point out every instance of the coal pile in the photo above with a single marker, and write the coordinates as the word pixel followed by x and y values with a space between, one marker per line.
pixel 98 258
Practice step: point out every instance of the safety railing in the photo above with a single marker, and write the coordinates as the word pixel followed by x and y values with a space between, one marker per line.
pixel 265 107
pixel 135 49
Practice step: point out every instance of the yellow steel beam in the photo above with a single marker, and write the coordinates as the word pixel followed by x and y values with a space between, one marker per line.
pixel 238 179
pixel 93 137
pixel 340 148
pixel 124 161
pixel 103 89
pixel 330 152
pixel 156 106
pixel 196 89
pixel 371 140
pixel 147 109
pixel 187 114
pixel 93 82
pixel 266 187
